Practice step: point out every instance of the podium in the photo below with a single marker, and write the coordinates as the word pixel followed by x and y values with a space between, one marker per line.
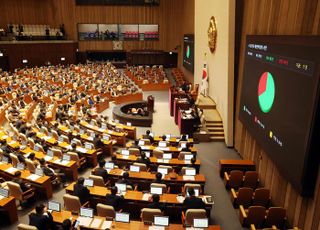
pixel 186 123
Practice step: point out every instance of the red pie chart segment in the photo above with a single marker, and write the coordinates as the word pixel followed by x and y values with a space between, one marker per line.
pixel 263 83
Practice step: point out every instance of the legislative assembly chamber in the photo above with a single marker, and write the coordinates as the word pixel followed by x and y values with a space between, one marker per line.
pixel 160 114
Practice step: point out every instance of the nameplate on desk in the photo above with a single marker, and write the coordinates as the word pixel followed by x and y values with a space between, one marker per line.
pixel 48 158
pixel 46 138
pixel 11 170
pixel 156 227
pixel 12 142
pixel 124 157
pixel 188 178
pixel 143 147
pixel 4 137
pixel 33 177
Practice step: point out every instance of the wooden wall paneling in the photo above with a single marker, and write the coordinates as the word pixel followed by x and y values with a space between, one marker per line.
pixel 278 17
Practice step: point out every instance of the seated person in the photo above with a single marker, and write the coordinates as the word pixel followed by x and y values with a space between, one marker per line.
pixel 158 178
pixel 187 148
pixel 184 138
pixel 148 136
pixel 51 172
pixel 32 157
pixel 113 199
pixel 125 180
pixel 143 159
pixel 155 198
pixel 193 202
pixel 41 218
pixel 23 185
pixel 136 145
pixel 66 225
pixel 81 191
pixel 101 171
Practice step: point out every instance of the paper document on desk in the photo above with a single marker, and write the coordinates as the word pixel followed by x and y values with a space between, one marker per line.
pixel 11 142
pixel 81 150
pixel 156 228
pixel 188 178
pixel 11 170
pixel 33 177
pixel 144 147
pixel 125 157
pixel 1 197
pixel 96 223
pixel 84 221
pixel 101 130
pixel 163 148
pixel 146 196
pixel 46 138
pixel 64 162
pixel 106 224
pixel 4 137
pixel 180 199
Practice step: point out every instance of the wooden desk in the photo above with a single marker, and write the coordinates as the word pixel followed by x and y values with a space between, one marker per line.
pixel 174 162
pixel 131 130
pixel 58 217
pixel 186 125
pixel 119 137
pixel 179 104
pixel 173 93
pixel 42 184
pixel 134 201
pixel 226 165
pixel 144 179
pixel 174 141
pixel 9 205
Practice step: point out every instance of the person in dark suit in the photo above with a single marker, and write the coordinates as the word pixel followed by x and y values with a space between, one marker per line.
pixel 155 203
pixel 148 136
pixel 98 144
pixel 184 137
pixel 41 218
pixel 193 202
pixel 81 191
pixel 125 180
pixel 24 186
pixel 158 178
pixel 135 144
pixel 143 159
pixel 113 199
pixel 101 171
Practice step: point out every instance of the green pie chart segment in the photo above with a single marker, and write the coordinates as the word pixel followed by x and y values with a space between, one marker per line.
pixel 266 92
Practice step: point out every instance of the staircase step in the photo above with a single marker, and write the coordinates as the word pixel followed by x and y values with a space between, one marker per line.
pixel 217 138
pixel 214 125
pixel 215 129
pixel 216 134
pixel 213 122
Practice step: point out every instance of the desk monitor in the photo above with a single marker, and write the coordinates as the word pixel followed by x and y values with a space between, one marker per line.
pixel 129 124
pixel 151 134
pixel 183 145
pixel 109 165
pixel 5 160
pixel 134 168
pixel 92 134
pixel 103 126
pixel 162 144
pixel 73 142
pixel 86 212
pixel 88 145
pixel 141 143
pixel 122 217
pixel 125 152
pixel 88 182
pixel 190 172
pixel 163 171
pixel 106 137
pixel 81 131
pixel 147 153
pixel 188 157
pixel 196 192
pixel 66 157
pixel 20 166
pixel 50 153
pixel 60 139
pixel 121 187
pixel 4 192
pixel 167 156
pixel 161 220
pixel 155 190
pixel 54 206
pixel 200 222
pixel 168 136
pixel 36 148
pixel 38 172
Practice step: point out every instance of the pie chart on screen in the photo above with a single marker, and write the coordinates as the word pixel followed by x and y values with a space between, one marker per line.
pixel 266 92
pixel 188 51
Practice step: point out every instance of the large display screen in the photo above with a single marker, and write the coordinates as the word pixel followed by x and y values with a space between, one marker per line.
pixel 188 52
pixel 279 100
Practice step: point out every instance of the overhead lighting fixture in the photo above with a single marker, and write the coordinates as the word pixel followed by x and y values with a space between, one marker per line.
pixel 1 54
pixel 24 61
pixel 62 58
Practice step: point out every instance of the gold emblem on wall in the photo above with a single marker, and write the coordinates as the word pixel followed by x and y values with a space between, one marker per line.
pixel 212 34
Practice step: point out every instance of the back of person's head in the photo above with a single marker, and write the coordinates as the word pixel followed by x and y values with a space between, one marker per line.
pixel 31 156
pixel 80 180
pixel 136 142
pixel 143 155
pixel 156 198
pixel 74 145
pixel 184 137
pixel 193 160
pixel 42 161
pixel 102 163
pixel 17 174
pixel 191 191
pixel 114 190
pixel 125 175
pixel 39 209
pixel 66 224
pixel 148 132
pixel 159 176
pixel 114 158
pixel 164 137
